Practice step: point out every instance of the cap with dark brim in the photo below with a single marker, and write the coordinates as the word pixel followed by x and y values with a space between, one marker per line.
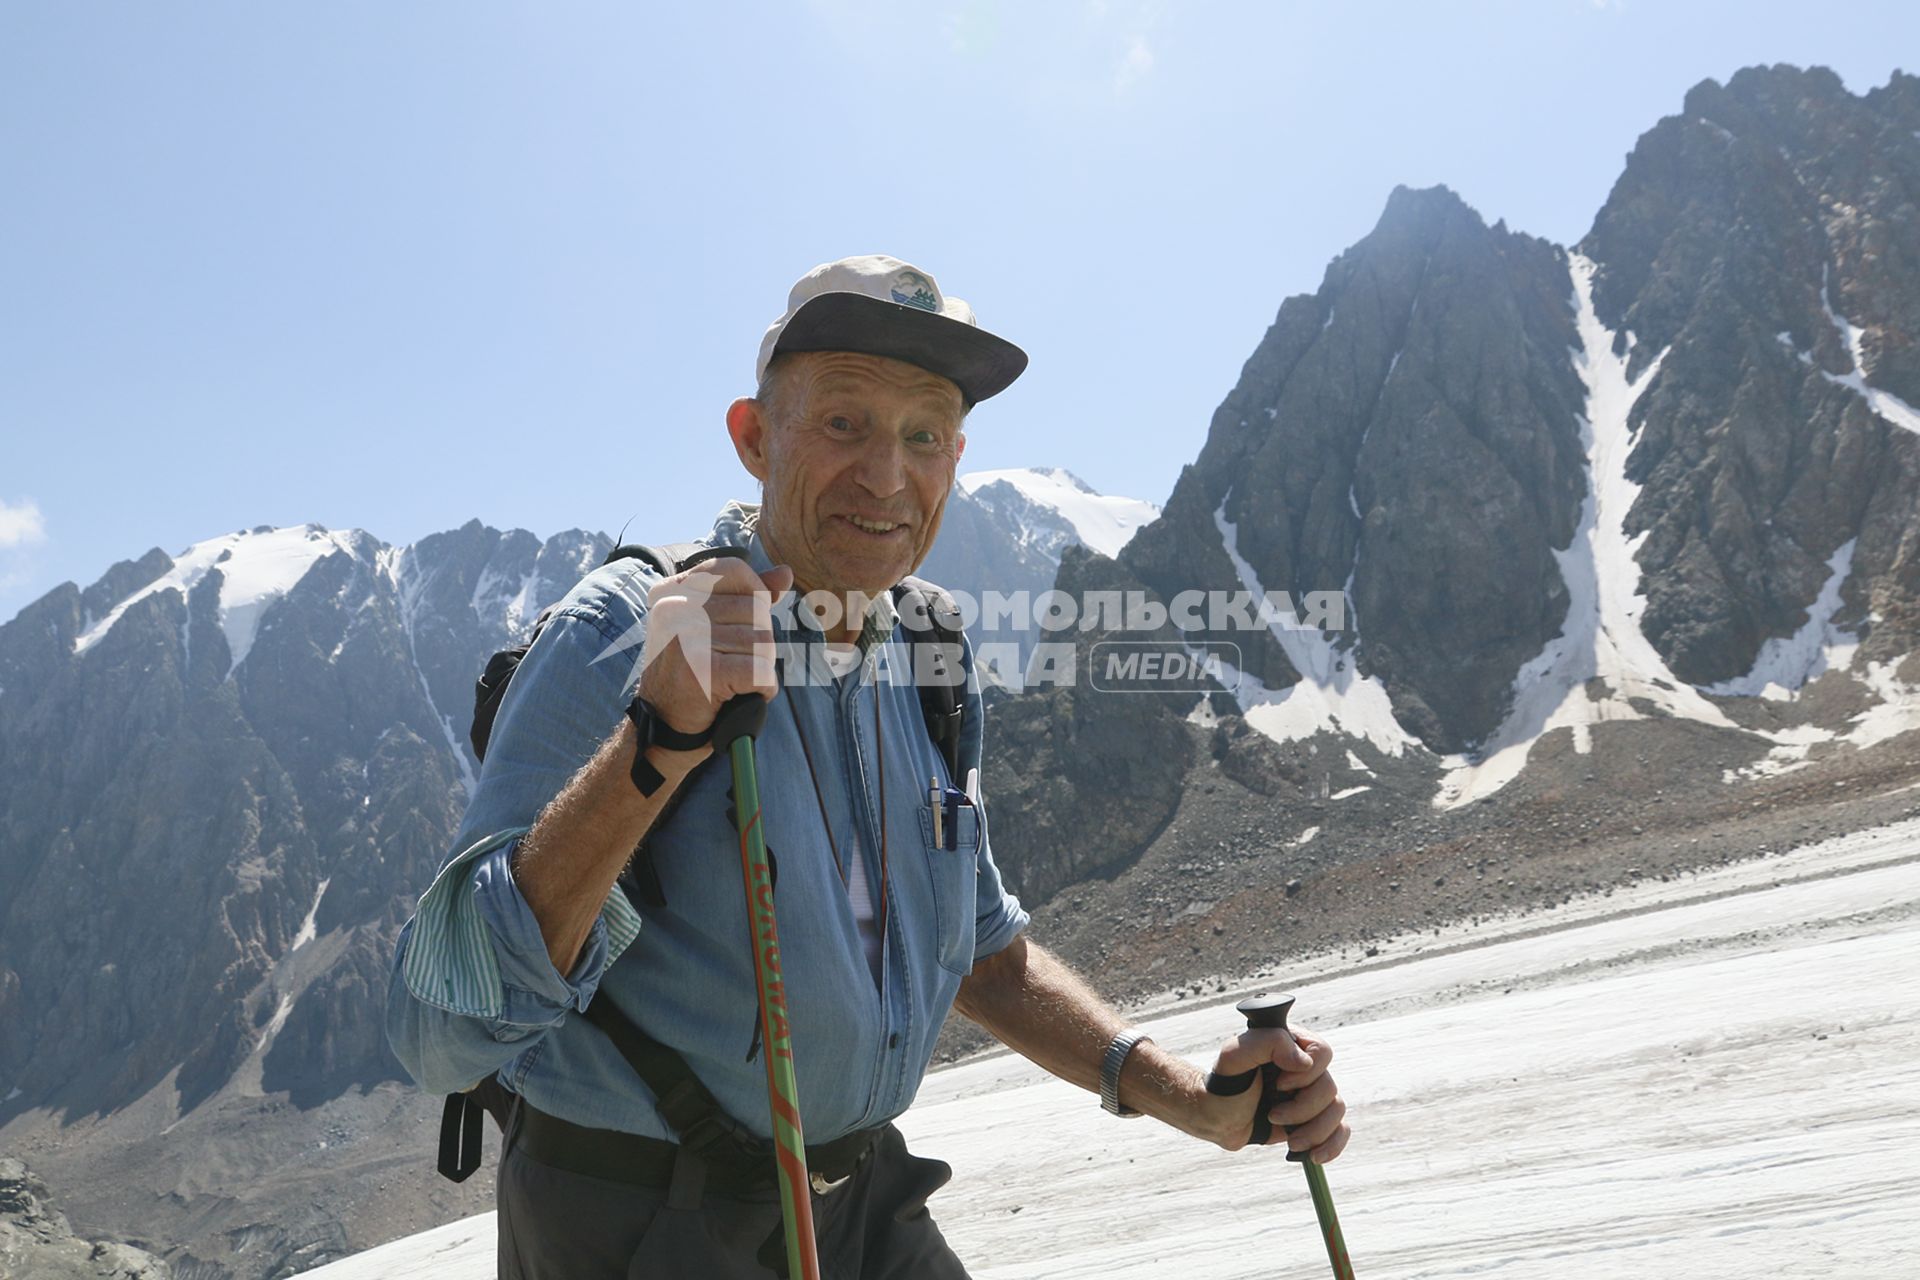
pixel 976 361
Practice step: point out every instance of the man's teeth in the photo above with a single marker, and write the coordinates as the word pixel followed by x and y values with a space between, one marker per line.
pixel 872 526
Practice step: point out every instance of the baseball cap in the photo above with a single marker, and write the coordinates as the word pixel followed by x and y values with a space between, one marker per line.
pixel 882 306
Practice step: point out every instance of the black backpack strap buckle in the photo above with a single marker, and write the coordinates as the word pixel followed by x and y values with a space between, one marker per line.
pixel 688 1109
pixel 718 1139
pixel 462 1123
pixel 708 1136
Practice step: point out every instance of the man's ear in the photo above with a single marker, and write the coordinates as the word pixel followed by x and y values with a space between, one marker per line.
pixel 959 448
pixel 747 424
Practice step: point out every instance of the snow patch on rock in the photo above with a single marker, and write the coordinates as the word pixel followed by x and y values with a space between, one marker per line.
pixel 1102 522
pixel 1331 694
pixel 397 564
pixel 1785 664
pixel 1601 637
pixel 498 596
pixel 307 933
pixel 1884 403
pixel 279 1020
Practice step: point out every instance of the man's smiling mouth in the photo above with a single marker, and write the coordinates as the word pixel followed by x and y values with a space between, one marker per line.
pixel 876 528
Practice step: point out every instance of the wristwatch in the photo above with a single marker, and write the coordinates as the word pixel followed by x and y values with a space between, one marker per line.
pixel 1110 1072
pixel 654 731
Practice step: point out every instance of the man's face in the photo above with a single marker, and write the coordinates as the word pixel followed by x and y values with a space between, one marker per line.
pixel 857 455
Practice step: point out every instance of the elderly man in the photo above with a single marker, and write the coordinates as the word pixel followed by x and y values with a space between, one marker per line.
pixel 620 1008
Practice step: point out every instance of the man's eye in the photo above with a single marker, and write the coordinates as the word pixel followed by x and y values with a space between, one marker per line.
pixel 840 423
pixel 923 437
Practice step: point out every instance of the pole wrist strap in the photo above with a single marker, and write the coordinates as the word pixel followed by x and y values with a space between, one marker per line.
pixel 653 731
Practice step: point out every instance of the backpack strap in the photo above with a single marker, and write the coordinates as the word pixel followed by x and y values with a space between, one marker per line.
pixel 667 557
pixel 460 1130
pixel 684 1103
pixel 933 620
pixel 462 1122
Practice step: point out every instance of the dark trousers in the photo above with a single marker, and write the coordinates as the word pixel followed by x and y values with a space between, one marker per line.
pixel 559 1225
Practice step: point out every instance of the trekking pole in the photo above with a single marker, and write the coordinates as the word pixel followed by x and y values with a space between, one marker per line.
pixel 1271 1011
pixel 734 730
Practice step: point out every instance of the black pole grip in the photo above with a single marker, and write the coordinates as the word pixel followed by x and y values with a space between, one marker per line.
pixel 745 714
pixel 1266 1011
pixel 1261 1012
pixel 740 717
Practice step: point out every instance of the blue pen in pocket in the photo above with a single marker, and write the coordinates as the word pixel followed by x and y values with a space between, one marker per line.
pixel 953 800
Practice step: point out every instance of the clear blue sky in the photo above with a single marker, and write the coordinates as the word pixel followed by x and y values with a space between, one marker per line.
pixel 395 265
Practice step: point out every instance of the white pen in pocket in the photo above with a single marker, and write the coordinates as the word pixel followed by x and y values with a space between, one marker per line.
pixel 934 804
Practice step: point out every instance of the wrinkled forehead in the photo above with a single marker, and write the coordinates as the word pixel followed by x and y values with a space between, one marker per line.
pixel 877 380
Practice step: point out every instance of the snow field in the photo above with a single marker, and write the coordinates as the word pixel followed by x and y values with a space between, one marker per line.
pixel 1677 1118
pixel 1716 1077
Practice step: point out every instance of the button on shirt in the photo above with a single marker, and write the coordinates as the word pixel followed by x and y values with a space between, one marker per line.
pixel 473 990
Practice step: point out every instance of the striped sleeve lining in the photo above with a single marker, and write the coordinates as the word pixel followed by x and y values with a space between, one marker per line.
pixel 450 962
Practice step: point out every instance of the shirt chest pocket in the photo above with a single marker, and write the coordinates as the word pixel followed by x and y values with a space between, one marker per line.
pixel 953 863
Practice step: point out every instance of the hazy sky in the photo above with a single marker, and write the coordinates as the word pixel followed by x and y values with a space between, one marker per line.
pixel 397 265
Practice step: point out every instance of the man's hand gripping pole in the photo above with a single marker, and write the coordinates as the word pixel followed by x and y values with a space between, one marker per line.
pixel 1271 1011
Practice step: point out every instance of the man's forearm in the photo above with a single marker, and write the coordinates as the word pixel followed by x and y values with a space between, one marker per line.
pixel 1034 1004
pixel 567 864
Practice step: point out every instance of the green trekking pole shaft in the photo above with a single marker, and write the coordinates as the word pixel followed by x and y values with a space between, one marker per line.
pixel 734 730
pixel 1271 1011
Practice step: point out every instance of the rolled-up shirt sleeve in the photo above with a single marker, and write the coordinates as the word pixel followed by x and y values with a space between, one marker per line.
pixel 472 980
pixel 534 991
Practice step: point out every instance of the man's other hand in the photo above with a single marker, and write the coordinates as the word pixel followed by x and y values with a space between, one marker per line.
pixel 1313 1120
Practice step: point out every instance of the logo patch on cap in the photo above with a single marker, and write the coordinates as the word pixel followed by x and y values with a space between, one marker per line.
pixel 914 290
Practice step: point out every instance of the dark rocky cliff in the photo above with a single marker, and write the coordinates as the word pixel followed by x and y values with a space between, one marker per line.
pixel 1407 434
pixel 1746 236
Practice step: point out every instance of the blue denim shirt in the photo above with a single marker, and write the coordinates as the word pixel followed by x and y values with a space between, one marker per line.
pixel 473 991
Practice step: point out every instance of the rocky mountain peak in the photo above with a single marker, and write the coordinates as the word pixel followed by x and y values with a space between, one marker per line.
pixel 1765 241
pixel 1405 436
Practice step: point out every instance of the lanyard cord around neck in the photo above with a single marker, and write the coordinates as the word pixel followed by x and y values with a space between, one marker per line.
pixel 820 800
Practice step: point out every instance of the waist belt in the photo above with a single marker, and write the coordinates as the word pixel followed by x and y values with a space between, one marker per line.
pixel 732 1167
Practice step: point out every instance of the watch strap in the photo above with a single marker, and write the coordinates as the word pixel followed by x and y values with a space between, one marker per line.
pixel 1116 1058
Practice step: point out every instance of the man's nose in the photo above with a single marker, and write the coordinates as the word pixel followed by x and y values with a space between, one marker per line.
pixel 882 471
